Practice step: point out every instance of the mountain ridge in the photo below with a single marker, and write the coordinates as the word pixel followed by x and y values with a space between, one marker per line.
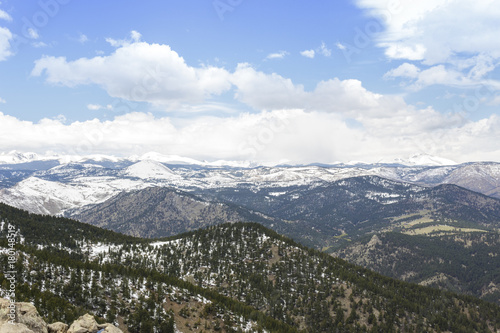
pixel 223 277
pixel 96 182
pixel 161 212
pixel 16 157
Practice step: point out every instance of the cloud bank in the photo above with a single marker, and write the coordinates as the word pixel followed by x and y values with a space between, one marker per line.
pixel 336 120
pixel 291 135
pixel 138 71
pixel 453 42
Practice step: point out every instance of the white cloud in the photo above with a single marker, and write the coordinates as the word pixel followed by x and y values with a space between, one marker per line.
pixel 324 50
pixel 5 38
pixel 96 107
pixel 400 51
pixel 5 16
pixel 33 34
pixel 139 71
pixel 265 91
pixel 2 101
pixel 404 70
pixel 83 39
pixel 308 53
pixel 495 100
pixel 135 37
pixel 277 55
pixel 460 35
pixel 439 75
pixel 340 46
pixel 300 125
pixel 272 91
pixel 154 73
pixel 293 135
pixel 39 45
pixel 437 29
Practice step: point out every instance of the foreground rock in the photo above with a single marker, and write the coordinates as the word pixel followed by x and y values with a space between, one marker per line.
pixel 58 327
pixel 24 318
pixel 20 318
pixel 109 328
pixel 84 324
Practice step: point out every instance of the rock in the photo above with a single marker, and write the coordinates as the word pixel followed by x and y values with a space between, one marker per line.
pixel 25 313
pixel 374 242
pixel 84 324
pixel 29 321
pixel 14 328
pixel 109 328
pixel 57 327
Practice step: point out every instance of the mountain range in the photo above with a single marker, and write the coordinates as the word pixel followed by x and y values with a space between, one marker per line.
pixel 48 186
pixel 389 217
pixel 239 277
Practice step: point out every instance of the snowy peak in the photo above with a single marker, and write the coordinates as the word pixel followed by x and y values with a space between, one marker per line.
pixel 421 160
pixel 180 160
pixel 169 159
pixel 14 157
pixel 149 169
pixel 429 160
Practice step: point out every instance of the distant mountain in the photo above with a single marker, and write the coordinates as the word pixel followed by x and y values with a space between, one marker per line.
pixel 331 213
pixel 230 277
pixel 18 157
pixel 149 169
pixel 434 224
pixel 161 212
pixel 420 160
pixel 91 182
pixel 465 262
pixel 323 215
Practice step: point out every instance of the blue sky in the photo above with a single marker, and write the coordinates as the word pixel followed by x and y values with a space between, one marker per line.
pixel 270 81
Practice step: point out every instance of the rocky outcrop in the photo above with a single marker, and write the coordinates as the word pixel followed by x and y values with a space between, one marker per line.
pixel 84 324
pixel 58 327
pixel 14 328
pixel 108 328
pixel 24 318
pixel 20 317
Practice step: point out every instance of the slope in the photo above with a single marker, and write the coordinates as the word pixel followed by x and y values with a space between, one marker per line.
pixel 331 214
pixel 246 276
pixel 160 212
pixel 57 271
pixel 463 262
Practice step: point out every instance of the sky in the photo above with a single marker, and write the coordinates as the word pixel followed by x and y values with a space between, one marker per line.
pixel 282 81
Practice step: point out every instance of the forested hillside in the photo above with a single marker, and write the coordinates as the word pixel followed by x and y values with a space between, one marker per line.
pixel 465 262
pixel 231 277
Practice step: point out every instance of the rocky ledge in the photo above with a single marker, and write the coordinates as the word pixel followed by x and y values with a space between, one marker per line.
pixel 24 318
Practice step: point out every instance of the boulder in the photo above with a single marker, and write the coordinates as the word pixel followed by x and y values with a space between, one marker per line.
pixel 29 321
pixel 57 327
pixel 26 314
pixel 109 328
pixel 14 328
pixel 84 324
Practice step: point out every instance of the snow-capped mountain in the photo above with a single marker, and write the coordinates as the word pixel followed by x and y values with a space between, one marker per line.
pixel 14 157
pixel 149 169
pixel 420 160
pixel 89 180
pixel 170 159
